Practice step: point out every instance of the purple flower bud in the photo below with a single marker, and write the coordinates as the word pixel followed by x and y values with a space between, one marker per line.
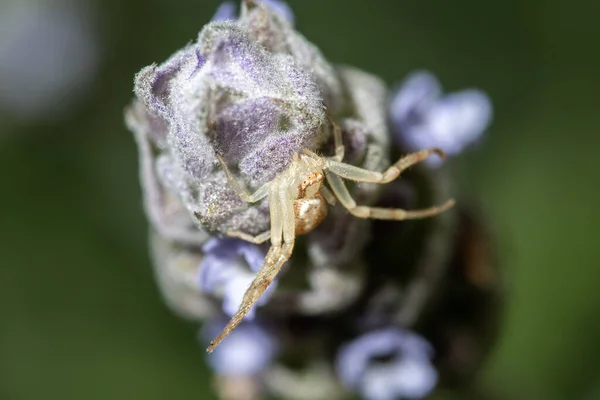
pixel 387 364
pixel 227 11
pixel 423 118
pixel 229 94
pixel 228 268
pixel 248 350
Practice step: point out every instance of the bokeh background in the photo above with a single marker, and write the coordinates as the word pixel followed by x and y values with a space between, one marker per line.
pixel 80 315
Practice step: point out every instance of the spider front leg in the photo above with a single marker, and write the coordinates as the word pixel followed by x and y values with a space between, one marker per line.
pixel 337 139
pixel 282 224
pixel 260 193
pixel 344 196
pixel 364 175
pixel 274 260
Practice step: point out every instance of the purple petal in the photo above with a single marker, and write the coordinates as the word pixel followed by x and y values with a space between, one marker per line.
pixel 216 272
pixel 413 378
pixel 233 294
pixel 356 369
pixel 248 350
pixel 423 118
pixel 228 268
pixel 460 118
pixel 234 290
pixel 414 98
pixel 227 11
pixel 222 248
pixel 253 254
pixel 230 248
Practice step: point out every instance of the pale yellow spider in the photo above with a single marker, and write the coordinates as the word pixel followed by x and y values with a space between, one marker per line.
pixel 297 204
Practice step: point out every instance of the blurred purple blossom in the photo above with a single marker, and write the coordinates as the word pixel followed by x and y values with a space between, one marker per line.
pixel 228 10
pixel 248 350
pixel 228 268
pixel 424 118
pixel 387 364
pixel 49 56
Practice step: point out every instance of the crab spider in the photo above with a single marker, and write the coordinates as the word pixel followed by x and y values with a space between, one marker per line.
pixel 298 203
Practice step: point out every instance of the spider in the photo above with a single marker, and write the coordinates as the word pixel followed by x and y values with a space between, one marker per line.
pixel 298 203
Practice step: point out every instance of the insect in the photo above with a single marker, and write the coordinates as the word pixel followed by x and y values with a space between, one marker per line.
pixel 298 203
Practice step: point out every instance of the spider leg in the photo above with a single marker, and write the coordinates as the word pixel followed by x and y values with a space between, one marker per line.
pixel 363 175
pixel 337 138
pixel 258 239
pixel 260 193
pixel 327 195
pixel 282 224
pixel 343 195
pixel 274 260
pixel 311 153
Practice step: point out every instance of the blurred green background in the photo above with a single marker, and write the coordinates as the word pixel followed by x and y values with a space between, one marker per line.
pixel 80 316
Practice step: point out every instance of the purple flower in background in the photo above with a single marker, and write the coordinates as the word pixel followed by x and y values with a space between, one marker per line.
pixel 228 10
pixel 228 268
pixel 387 364
pixel 247 351
pixel 49 57
pixel 424 118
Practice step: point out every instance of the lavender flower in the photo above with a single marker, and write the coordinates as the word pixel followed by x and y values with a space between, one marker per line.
pixel 387 364
pixel 255 101
pixel 228 267
pixel 227 11
pixel 249 349
pixel 423 118
pixel 49 57
pixel 254 91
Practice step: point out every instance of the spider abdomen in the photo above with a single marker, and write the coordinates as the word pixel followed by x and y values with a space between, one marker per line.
pixel 309 213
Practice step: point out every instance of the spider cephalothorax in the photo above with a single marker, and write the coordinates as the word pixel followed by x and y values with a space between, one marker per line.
pixel 297 205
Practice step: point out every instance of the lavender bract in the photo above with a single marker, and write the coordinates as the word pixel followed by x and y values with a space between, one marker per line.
pixel 269 108
pixel 255 91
